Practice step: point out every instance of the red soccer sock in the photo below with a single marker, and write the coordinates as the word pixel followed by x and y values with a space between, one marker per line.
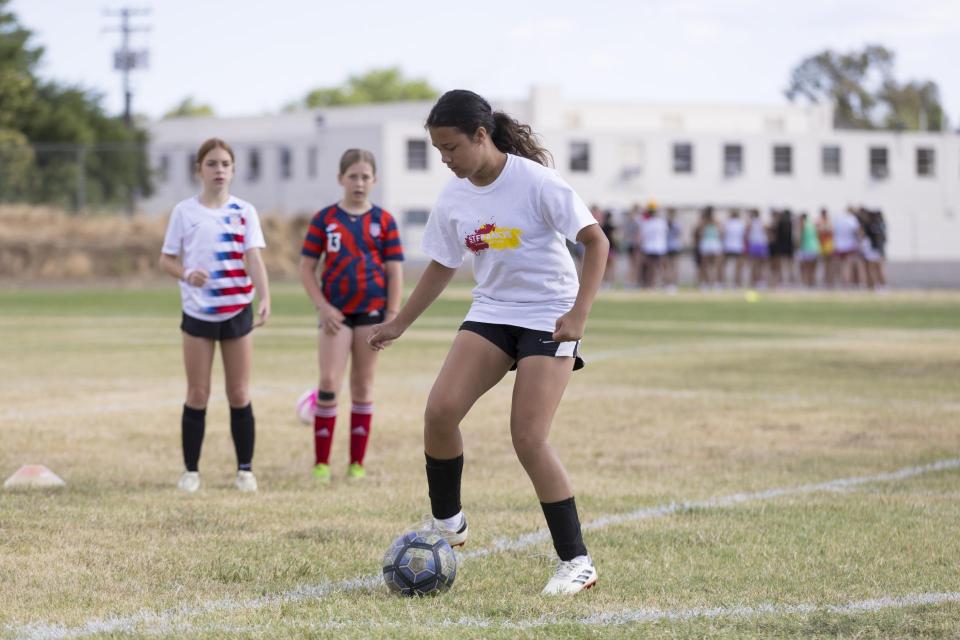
pixel 361 415
pixel 325 417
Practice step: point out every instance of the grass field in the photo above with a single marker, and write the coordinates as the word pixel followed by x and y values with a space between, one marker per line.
pixel 787 468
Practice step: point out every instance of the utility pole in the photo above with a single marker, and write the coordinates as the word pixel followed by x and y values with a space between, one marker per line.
pixel 126 60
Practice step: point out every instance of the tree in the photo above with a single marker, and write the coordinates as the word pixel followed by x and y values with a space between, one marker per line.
pixel 54 134
pixel 376 85
pixel 189 109
pixel 914 106
pixel 863 91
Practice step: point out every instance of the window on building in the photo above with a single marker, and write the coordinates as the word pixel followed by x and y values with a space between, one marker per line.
pixel 312 162
pixel 580 156
pixel 163 168
pixel 879 166
pixel 830 160
pixel 416 155
pixel 926 162
pixel 415 217
pixel 782 159
pixel 732 160
pixel 253 165
pixel 682 157
pixel 286 163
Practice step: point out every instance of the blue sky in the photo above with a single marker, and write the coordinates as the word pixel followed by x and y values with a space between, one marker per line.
pixel 247 58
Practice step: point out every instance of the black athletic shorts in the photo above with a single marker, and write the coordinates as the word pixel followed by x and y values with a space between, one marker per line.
pixel 235 327
pixel 363 319
pixel 519 342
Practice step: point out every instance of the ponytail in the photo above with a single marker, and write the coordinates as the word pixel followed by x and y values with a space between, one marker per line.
pixel 466 111
pixel 519 139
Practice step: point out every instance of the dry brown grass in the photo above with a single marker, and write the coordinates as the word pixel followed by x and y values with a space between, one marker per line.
pixel 45 244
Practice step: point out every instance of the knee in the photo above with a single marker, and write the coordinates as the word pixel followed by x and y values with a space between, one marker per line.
pixel 198 395
pixel 238 396
pixel 527 446
pixel 440 415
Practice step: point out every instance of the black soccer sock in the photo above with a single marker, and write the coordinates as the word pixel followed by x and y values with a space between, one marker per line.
pixel 192 425
pixel 564 525
pixel 242 430
pixel 443 481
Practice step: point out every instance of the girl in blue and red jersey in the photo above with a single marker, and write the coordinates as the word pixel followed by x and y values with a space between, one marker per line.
pixel 360 285
pixel 212 246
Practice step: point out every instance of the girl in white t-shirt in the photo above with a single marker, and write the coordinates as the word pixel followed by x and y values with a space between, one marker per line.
pixel 528 312
pixel 212 246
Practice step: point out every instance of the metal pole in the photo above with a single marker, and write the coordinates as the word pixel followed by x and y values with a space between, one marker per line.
pixel 80 201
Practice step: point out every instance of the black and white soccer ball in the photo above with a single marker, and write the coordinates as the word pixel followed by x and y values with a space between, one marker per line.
pixel 419 563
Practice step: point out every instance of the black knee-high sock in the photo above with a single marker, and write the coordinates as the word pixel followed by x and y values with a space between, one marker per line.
pixel 564 525
pixel 192 425
pixel 443 481
pixel 242 430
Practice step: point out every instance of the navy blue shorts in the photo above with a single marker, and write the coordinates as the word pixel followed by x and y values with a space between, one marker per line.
pixel 231 328
pixel 519 342
pixel 363 319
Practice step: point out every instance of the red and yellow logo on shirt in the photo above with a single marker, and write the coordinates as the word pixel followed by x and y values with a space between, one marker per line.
pixel 490 236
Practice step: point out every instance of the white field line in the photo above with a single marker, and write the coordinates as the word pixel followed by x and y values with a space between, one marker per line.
pixel 619 618
pixel 132 623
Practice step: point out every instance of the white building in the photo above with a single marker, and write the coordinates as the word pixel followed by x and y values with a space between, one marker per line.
pixel 613 154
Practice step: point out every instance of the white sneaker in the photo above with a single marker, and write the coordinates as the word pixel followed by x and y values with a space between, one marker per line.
pixel 572 576
pixel 189 481
pixel 455 539
pixel 246 481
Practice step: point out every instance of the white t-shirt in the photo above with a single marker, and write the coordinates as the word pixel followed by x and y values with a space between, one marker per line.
pixel 214 240
pixel 515 228
pixel 733 230
pixel 653 230
pixel 845 231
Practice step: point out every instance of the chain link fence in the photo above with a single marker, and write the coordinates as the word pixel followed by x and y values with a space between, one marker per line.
pixel 75 177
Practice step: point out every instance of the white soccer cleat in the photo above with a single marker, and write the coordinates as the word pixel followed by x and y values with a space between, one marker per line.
pixel 246 481
pixel 572 576
pixel 455 539
pixel 189 481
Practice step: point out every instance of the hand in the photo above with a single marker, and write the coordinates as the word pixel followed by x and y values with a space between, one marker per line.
pixel 331 319
pixel 570 326
pixel 382 335
pixel 196 277
pixel 263 313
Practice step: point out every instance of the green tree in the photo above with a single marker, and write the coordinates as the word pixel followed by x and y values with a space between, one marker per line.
pixel 913 106
pixel 376 85
pixel 863 91
pixel 59 136
pixel 189 109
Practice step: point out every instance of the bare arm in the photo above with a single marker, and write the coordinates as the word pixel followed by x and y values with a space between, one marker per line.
pixel 172 266
pixel 258 273
pixel 434 280
pixel 331 318
pixel 571 325
pixel 394 288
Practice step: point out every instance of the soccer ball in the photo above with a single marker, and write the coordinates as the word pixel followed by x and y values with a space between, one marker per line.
pixel 419 563
pixel 305 405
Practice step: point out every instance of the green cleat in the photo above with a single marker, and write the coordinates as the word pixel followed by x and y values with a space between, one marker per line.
pixel 356 471
pixel 321 473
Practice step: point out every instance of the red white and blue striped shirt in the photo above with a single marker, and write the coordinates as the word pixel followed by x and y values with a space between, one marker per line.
pixel 355 249
pixel 215 240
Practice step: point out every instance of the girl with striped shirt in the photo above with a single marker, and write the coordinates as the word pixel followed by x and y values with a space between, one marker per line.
pixel 212 246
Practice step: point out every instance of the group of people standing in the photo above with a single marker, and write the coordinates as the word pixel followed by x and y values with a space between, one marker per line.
pixel 743 249
pixel 529 311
